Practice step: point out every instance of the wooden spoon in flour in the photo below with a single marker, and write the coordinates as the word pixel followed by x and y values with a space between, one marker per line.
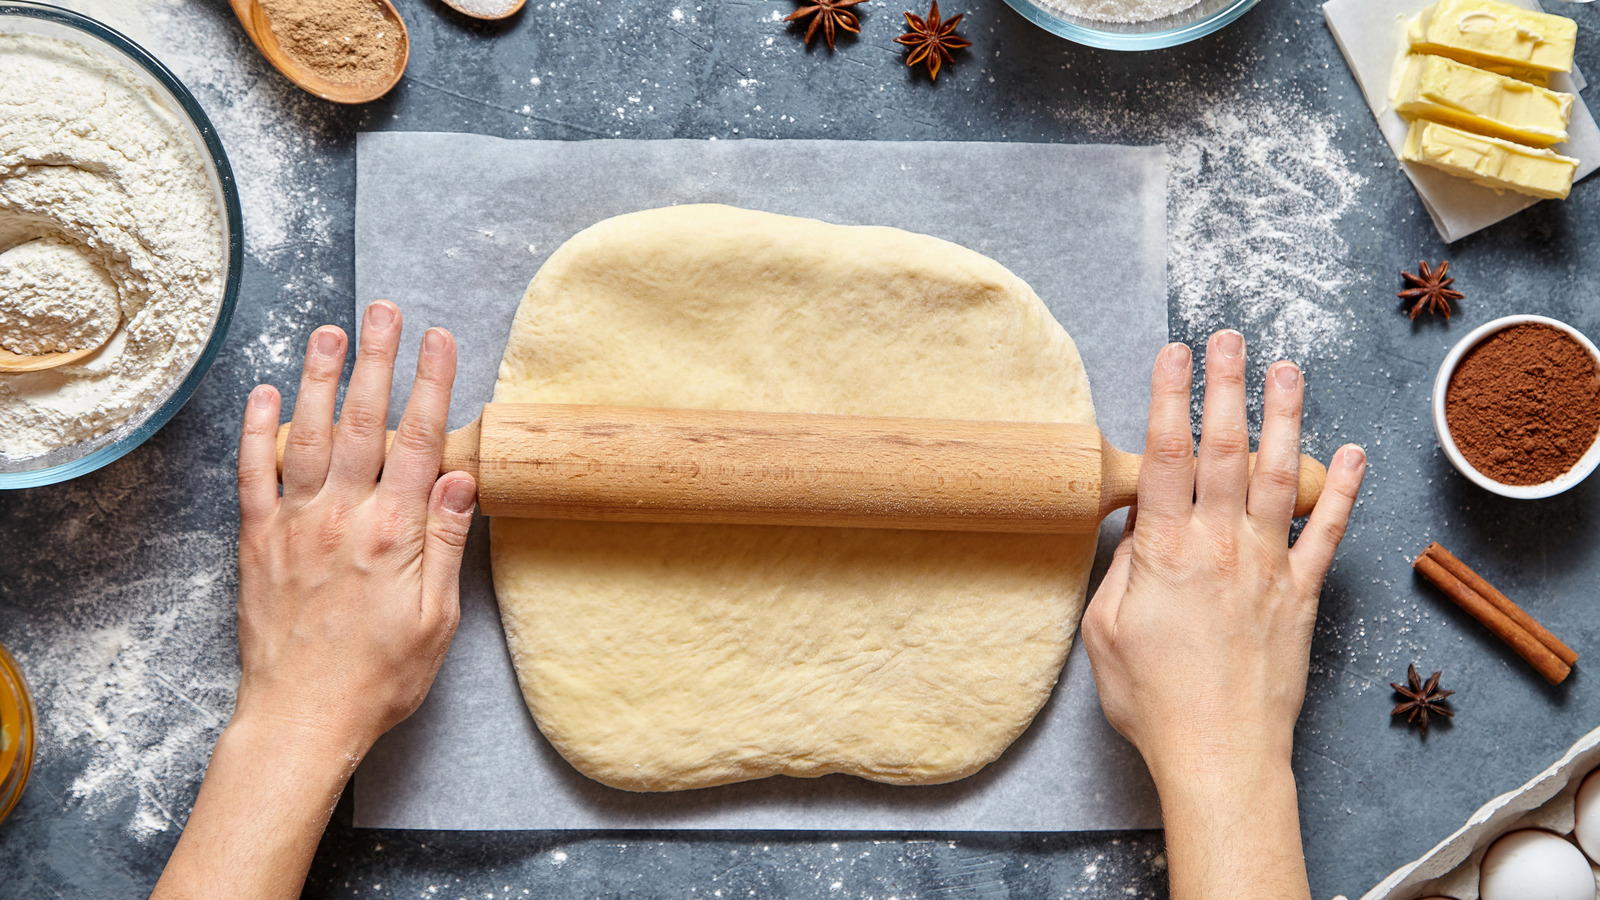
pixel 258 24
pixel 17 363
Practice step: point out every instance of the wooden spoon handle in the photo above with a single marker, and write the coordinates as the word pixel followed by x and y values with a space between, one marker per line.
pixel 627 464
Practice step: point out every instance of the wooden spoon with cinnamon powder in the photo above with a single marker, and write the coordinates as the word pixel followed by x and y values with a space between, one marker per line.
pixel 346 51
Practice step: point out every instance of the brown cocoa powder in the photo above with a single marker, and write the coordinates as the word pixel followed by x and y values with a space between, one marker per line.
pixel 344 41
pixel 1523 406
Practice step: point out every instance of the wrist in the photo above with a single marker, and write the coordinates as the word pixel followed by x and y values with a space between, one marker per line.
pixel 296 741
pixel 1233 833
pixel 1219 767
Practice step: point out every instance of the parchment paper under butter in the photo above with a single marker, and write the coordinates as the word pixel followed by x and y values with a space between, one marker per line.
pixel 452 227
pixel 1371 33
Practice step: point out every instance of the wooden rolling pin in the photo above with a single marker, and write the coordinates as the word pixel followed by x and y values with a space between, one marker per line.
pixel 632 464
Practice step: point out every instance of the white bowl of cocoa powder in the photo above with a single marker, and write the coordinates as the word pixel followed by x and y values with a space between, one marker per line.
pixel 1516 406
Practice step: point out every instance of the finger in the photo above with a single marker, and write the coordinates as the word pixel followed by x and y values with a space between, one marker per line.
pixel 1166 476
pixel 305 453
pixel 1313 552
pixel 258 456
pixel 1108 597
pixel 359 439
pixel 1222 474
pixel 1277 472
pixel 449 519
pixel 413 467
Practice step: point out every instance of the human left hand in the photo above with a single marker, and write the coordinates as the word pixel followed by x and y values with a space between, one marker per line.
pixel 348 582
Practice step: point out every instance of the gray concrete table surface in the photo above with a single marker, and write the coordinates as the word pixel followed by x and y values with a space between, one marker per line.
pixel 1287 219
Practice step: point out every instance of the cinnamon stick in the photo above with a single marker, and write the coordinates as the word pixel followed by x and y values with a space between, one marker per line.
pixel 1503 603
pixel 1518 638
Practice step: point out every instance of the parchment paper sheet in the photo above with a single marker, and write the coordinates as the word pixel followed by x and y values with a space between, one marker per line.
pixel 452 227
pixel 1371 34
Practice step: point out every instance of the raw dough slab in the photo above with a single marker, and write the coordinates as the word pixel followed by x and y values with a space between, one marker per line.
pixel 1083 225
pixel 668 657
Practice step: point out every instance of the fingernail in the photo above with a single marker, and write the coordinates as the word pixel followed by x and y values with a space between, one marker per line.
pixel 380 315
pixel 1355 458
pixel 1176 356
pixel 1230 344
pixel 261 396
pixel 433 341
pixel 1286 376
pixel 459 495
pixel 326 343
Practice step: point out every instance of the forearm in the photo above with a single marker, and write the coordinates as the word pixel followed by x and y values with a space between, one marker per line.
pixel 1233 830
pixel 265 801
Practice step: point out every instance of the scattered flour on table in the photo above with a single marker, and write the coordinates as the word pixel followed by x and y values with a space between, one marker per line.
pixel 1256 190
pixel 1255 194
pixel 133 678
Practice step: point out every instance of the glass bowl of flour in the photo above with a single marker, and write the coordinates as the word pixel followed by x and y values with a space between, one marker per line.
pixel 119 216
pixel 1131 24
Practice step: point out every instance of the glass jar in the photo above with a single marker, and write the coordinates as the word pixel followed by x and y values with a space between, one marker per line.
pixel 16 733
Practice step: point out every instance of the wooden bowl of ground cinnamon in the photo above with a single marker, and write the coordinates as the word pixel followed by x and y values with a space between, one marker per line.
pixel 1516 406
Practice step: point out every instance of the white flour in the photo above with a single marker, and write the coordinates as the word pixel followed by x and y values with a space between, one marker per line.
pixel 94 165
pixel 1121 10
pixel 53 298
pixel 1256 190
pixel 1255 194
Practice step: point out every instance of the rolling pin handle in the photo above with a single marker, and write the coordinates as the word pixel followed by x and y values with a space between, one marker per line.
pixel 1119 480
pixel 460 448
pixel 1313 477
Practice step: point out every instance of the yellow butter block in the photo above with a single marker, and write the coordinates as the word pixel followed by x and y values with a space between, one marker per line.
pixel 1492 162
pixel 1497 36
pixel 1443 90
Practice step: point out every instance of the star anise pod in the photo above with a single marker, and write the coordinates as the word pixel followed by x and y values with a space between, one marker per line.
pixel 828 16
pixel 931 40
pixel 1430 291
pixel 1421 699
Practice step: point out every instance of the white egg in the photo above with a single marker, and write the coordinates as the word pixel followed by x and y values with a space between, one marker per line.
pixel 1588 810
pixel 1535 865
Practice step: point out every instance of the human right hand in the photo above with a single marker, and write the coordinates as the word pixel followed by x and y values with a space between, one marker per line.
pixel 1200 634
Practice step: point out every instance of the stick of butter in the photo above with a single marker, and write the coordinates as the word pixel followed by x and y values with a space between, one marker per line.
pixel 1432 87
pixel 1491 162
pixel 1496 36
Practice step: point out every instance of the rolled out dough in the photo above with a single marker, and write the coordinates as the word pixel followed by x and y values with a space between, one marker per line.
pixel 666 657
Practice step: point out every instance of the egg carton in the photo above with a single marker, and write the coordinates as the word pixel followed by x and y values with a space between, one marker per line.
pixel 1450 869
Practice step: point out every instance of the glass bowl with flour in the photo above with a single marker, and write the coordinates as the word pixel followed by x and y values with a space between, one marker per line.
pixel 1131 24
pixel 118 216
